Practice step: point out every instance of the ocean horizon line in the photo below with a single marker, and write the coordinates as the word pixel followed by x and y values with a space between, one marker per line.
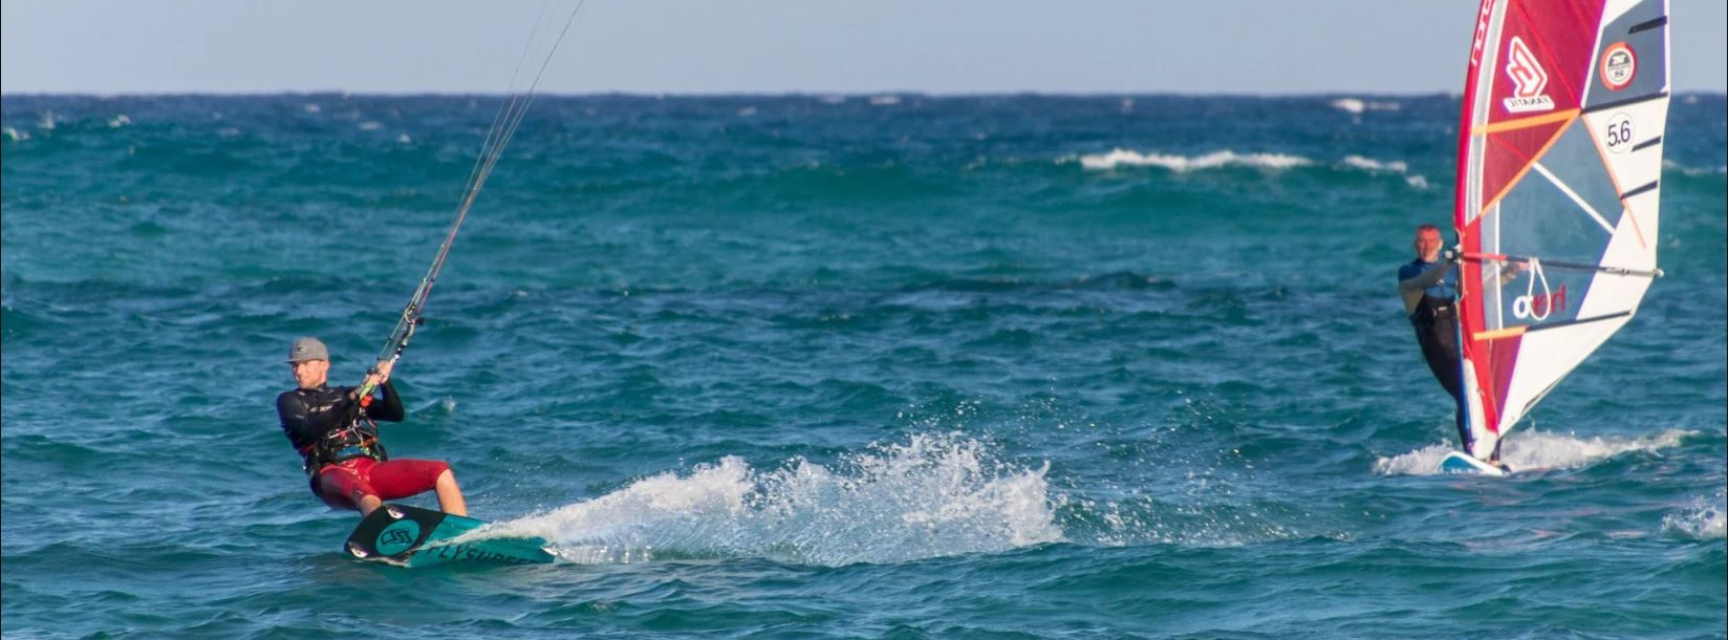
pixel 764 94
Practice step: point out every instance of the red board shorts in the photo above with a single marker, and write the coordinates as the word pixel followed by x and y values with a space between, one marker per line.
pixel 343 484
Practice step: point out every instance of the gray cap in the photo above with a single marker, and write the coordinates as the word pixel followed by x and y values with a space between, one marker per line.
pixel 308 349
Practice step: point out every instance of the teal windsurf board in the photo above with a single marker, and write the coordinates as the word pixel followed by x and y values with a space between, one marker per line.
pixel 1456 462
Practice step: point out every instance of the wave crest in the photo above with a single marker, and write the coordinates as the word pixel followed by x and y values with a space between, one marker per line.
pixel 1123 157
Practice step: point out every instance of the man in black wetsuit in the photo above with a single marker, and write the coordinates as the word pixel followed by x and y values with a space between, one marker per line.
pixel 1429 287
pixel 1430 292
pixel 335 434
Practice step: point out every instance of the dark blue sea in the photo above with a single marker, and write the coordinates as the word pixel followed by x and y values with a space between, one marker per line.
pixel 811 367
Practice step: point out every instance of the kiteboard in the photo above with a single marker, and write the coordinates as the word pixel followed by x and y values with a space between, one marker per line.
pixel 406 536
pixel 1557 203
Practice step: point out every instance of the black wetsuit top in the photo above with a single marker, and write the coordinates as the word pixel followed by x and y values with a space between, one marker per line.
pixel 309 415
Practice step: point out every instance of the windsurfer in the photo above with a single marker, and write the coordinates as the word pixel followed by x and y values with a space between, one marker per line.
pixel 1430 292
pixel 336 435
pixel 1429 287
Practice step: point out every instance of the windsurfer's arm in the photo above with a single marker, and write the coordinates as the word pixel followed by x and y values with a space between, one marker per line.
pixel 1425 279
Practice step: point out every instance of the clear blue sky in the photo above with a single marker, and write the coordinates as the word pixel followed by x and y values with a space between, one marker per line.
pixel 774 46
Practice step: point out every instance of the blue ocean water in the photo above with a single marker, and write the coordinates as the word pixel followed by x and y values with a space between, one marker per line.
pixel 828 367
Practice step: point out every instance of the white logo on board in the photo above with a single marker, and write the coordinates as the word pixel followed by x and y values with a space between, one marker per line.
pixel 1528 79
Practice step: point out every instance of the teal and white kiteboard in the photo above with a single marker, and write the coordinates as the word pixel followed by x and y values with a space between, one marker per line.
pixel 412 537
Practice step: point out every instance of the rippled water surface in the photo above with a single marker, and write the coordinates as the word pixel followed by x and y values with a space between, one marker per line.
pixel 790 367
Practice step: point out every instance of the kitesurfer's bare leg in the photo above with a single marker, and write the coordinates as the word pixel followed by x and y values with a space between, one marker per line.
pixel 368 504
pixel 449 495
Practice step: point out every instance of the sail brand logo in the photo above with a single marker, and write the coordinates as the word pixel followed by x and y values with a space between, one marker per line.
pixel 1619 66
pixel 1528 79
pixel 397 537
pixel 1540 306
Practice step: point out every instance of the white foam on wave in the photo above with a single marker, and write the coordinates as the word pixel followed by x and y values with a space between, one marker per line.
pixel 1358 105
pixel 1370 164
pixel 1695 172
pixel 1396 166
pixel 15 135
pixel 1123 157
pixel 119 121
pixel 884 100
pixel 1702 521
pixel 1533 450
pixel 930 497
pixel 371 125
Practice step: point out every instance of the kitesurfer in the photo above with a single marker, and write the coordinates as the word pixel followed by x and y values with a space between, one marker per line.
pixel 335 434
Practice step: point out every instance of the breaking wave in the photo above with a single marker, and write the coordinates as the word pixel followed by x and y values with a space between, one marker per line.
pixel 1124 158
pixel 1358 105
pixel 1702 521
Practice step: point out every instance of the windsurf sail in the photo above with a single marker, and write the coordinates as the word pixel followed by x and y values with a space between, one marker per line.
pixel 1556 210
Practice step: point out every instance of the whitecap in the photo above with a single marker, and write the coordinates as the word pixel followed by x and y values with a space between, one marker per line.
pixel 1356 106
pixel 1395 166
pixel 884 100
pixel 1370 164
pixel 1702 521
pixel 1124 158
pixel 371 125
pixel 119 121
pixel 1694 172
pixel 1535 450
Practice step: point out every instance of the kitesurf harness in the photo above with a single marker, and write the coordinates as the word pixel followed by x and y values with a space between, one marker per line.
pixel 357 440
pixel 355 437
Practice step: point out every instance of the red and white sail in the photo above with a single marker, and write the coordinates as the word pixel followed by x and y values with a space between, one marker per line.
pixel 1559 163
